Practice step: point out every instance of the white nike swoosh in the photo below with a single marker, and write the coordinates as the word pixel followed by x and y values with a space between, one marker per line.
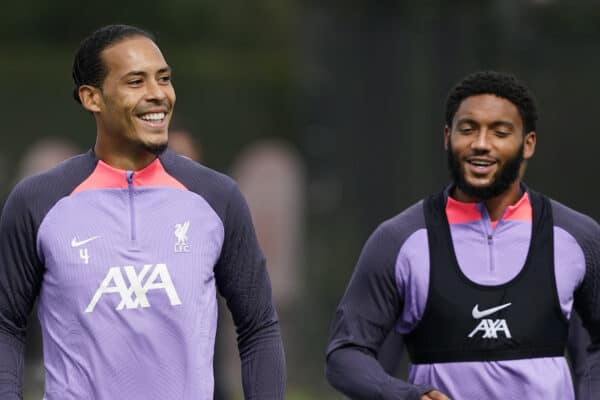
pixel 484 313
pixel 75 243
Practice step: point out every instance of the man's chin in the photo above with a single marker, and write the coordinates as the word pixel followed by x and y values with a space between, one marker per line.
pixel 478 184
pixel 156 147
pixel 482 191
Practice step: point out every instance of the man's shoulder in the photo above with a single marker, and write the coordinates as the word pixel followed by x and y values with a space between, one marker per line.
pixel 216 188
pixel 57 181
pixel 193 175
pixel 401 226
pixel 565 216
pixel 36 194
pixel 579 225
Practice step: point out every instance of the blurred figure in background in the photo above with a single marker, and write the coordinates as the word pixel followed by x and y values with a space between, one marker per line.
pixel 45 154
pixel 182 142
pixel 271 175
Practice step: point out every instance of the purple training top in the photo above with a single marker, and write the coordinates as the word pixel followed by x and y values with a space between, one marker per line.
pixel 127 266
pixel 389 291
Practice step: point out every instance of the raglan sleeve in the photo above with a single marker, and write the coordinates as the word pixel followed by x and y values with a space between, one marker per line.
pixel 587 305
pixel 365 316
pixel 577 344
pixel 243 281
pixel 20 279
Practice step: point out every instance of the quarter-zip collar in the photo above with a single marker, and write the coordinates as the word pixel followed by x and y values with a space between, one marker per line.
pixel 458 212
pixel 104 176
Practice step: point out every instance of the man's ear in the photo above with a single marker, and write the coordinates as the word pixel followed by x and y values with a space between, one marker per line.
pixel 446 137
pixel 91 98
pixel 529 142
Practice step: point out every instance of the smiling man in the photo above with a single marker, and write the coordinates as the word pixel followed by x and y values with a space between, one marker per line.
pixel 481 278
pixel 126 247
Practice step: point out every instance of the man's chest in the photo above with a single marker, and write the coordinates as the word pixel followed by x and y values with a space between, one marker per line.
pixel 129 251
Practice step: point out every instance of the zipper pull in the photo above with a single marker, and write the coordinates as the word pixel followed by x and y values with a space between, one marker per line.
pixel 129 177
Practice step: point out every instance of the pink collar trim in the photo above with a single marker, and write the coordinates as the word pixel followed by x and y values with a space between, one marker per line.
pixel 104 176
pixel 460 213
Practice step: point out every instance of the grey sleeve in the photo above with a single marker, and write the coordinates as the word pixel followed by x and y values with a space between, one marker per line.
pixel 587 305
pixel 20 278
pixel 243 281
pixel 587 300
pixel 577 345
pixel 365 316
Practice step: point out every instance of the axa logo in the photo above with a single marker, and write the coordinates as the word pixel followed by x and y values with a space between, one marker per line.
pixel 490 327
pixel 181 246
pixel 133 287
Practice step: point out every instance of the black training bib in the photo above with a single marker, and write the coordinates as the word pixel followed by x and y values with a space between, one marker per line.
pixel 465 321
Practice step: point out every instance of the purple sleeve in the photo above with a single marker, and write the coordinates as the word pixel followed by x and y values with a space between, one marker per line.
pixel 21 271
pixel 20 278
pixel 366 315
pixel 243 281
pixel 360 376
pixel 587 297
pixel 577 345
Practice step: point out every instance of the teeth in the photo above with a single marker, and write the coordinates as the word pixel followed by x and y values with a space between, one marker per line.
pixel 481 163
pixel 153 117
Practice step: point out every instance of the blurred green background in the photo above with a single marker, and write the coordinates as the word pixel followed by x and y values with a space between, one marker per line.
pixel 356 88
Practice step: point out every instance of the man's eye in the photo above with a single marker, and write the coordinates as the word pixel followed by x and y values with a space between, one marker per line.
pixel 502 133
pixel 165 79
pixel 466 129
pixel 135 82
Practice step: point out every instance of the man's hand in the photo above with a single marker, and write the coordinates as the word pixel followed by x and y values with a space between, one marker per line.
pixel 434 395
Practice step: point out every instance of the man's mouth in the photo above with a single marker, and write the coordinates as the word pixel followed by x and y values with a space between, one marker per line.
pixel 155 119
pixel 153 116
pixel 480 165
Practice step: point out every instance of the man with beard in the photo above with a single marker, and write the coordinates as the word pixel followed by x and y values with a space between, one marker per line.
pixel 126 246
pixel 481 279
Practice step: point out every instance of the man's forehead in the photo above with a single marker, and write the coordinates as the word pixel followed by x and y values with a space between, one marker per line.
pixel 488 106
pixel 137 53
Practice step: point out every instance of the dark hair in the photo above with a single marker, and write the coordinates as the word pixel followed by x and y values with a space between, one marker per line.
pixel 88 68
pixel 499 84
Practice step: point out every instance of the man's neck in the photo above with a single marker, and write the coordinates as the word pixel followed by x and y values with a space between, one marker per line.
pixel 122 156
pixel 494 205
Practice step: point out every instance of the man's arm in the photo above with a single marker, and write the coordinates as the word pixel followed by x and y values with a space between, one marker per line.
pixel 367 313
pixel 577 345
pixel 587 305
pixel 20 278
pixel 243 281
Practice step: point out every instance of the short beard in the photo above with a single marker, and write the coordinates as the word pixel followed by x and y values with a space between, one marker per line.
pixel 502 180
pixel 155 148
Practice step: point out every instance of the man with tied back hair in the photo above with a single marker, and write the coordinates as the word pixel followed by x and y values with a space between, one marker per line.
pixel 126 246
pixel 481 278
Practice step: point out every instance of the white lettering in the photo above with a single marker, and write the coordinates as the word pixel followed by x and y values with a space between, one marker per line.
pixel 490 329
pixel 134 295
pixel 161 271
pixel 84 255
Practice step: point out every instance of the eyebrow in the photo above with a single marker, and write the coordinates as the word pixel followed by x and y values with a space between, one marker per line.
pixel 494 124
pixel 144 73
pixel 505 124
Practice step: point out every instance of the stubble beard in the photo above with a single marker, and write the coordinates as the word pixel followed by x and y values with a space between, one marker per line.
pixel 503 179
pixel 155 148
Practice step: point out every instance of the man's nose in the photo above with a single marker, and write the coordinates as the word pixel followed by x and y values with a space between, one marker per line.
pixel 155 91
pixel 481 141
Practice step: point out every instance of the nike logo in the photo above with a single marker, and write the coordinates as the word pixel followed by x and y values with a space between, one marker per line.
pixel 75 243
pixel 484 313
